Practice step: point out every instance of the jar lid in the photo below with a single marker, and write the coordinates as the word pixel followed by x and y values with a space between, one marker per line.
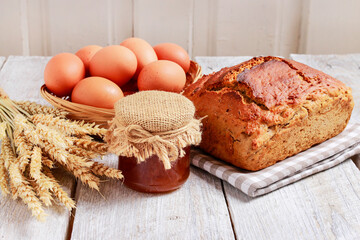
pixel 155 111
pixel 153 123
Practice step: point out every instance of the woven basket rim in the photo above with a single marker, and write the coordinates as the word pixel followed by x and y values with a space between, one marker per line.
pixel 79 111
pixel 61 101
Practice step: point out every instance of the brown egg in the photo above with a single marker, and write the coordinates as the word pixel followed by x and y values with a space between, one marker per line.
pixel 86 53
pixel 116 63
pixel 145 54
pixel 63 72
pixel 162 75
pixel 173 52
pixel 96 92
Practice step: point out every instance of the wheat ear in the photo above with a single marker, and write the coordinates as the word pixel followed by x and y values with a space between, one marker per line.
pixel 66 126
pixel 54 152
pixel 4 162
pixel 14 191
pixel 34 137
pixel 80 168
pixel 52 136
pixel 59 192
pixel 4 179
pixel 24 191
pixel 102 170
pixel 35 164
pixel 47 161
pixel 43 191
pixel 34 108
pixel 82 152
pixel 23 148
pixel 93 129
pixel 89 145
pixel 2 130
pixel 6 150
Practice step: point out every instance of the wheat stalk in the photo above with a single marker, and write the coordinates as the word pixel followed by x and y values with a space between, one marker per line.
pixel 34 139
pixel 45 186
pixel 56 154
pixel 2 130
pixel 82 152
pixel 4 179
pixel 24 126
pixel 93 129
pixel 54 137
pixel 85 137
pixel 23 148
pixel 69 127
pixel 66 126
pixel 34 108
pixel 102 170
pixel 47 161
pixel 6 150
pixel 4 165
pixel 59 192
pixel 23 190
pixel 14 191
pixel 42 192
pixel 53 151
pixel 100 148
pixel 81 170
pixel 35 164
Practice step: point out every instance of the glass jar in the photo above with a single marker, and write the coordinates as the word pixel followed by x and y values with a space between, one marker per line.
pixel 150 176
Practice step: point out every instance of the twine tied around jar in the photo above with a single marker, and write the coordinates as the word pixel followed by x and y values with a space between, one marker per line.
pixel 153 123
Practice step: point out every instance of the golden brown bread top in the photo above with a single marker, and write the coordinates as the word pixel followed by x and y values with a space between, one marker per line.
pixel 263 90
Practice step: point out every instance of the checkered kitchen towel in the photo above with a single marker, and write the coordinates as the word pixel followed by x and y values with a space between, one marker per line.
pixel 316 159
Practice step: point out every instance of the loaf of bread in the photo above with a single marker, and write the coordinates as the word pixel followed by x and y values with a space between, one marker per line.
pixel 266 109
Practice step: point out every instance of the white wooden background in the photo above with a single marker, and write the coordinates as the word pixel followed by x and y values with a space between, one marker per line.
pixel 203 27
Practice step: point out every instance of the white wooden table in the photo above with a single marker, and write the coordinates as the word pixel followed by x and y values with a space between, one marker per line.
pixel 323 206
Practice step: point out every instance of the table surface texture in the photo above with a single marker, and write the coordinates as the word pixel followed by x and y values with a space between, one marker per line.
pixel 323 206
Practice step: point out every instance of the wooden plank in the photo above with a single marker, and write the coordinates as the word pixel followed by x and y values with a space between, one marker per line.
pixel 330 27
pixel 209 27
pixel 66 26
pixel 2 60
pixel 11 41
pixel 163 21
pixel 21 78
pixel 223 29
pixel 204 28
pixel 288 27
pixel 122 20
pixel 38 28
pixel 246 27
pixel 196 211
pixel 323 206
pixel 112 24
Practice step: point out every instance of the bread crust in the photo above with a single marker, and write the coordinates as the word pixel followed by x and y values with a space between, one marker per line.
pixel 266 109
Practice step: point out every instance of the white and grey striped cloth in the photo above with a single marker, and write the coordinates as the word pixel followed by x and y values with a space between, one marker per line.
pixel 313 160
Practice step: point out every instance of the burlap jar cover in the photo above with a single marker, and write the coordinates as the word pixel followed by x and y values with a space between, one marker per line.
pixel 153 123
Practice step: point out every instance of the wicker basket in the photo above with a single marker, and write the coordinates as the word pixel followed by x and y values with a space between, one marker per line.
pixel 100 115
